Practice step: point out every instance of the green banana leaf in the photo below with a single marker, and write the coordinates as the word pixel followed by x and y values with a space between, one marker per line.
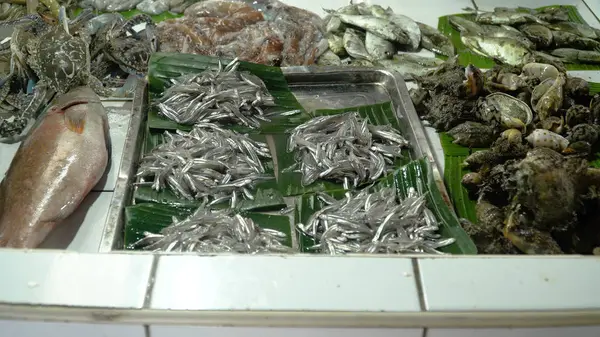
pixel 416 174
pixel 266 195
pixel 290 182
pixel 165 66
pixel 154 217
pixel 466 56
pixel 128 14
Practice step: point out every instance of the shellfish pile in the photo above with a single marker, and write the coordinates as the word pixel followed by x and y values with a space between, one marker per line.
pixel 533 131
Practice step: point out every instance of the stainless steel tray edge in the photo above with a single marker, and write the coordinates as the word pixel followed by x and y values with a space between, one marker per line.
pixel 112 238
pixel 421 145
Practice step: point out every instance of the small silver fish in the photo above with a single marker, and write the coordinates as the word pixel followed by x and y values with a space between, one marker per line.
pixel 344 148
pixel 206 162
pixel 378 26
pixel 215 231
pixel 373 223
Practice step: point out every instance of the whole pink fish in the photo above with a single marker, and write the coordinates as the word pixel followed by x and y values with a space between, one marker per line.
pixel 55 167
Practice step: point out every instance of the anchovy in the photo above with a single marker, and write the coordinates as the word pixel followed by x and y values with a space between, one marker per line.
pixel 214 231
pixel 224 94
pixel 344 147
pixel 206 162
pixel 375 222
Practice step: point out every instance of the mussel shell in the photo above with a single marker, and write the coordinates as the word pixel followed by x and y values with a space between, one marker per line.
pixel 508 107
pixel 541 71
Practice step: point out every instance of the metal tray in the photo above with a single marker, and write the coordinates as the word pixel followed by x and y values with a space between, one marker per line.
pixel 315 88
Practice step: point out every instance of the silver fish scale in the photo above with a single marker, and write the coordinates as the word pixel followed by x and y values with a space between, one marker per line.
pixel 206 163
pixel 343 147
pixel 375 223
pixel 215 231
pixel 223 95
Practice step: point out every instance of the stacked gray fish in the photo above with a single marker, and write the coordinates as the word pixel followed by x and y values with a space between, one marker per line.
pixel 215 231
pixel 344 148
pixel 223 95
pixel 518 36
pixel 369 35
pixel 206 162
pixel 375 223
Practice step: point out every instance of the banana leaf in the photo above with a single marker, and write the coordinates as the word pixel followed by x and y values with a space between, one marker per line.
pixel 290 182
pixel 154 217
pixel 466 56
pixel 165 66
pixel 416 174
pixel 266 195
pixel 128 14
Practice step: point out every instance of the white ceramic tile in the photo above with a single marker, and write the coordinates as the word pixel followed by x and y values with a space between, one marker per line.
pixel 7 152
pixel 119 117
pixel 594 5
pixel 189 331
pixel 74 279
pixel 285 283
pixel 585 12
pixel 82 231
pixel 519 283
pixel 55 329
pixel 583 331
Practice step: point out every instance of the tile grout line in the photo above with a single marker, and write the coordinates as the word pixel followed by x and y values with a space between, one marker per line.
pixel 591 11
pixel 150 284
pixel 417 277
pixel 420 291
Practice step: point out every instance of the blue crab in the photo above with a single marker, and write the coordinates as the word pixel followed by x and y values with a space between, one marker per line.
pixel 59 57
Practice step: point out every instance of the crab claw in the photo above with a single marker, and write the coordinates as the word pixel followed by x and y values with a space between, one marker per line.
pixel 529 240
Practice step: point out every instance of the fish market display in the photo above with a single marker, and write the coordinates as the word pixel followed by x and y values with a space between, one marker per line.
pixel 375 223
pixel 46 59
pixel 53 170
pixel 272 33
pixel 536 192
pixel 369 35
pixel 344 148
pixel 223 95
pixel 519 36
pixel 215 231
pixel 206 163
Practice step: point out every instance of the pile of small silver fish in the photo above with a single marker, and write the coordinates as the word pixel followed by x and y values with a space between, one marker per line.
pixel 206 162
pixel 375 223
pixel 224 95
pixel 215 231
pixel 369 35
pixel 344 148
pixel 518 36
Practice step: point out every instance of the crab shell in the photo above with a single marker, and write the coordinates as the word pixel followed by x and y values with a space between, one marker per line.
pixel 60 60
pixel 548 139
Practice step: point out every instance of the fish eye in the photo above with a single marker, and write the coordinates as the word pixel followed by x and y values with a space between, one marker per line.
pixel 269 6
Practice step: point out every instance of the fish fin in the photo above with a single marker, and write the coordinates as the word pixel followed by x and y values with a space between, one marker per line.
pixel 75 120
pixel 329 11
